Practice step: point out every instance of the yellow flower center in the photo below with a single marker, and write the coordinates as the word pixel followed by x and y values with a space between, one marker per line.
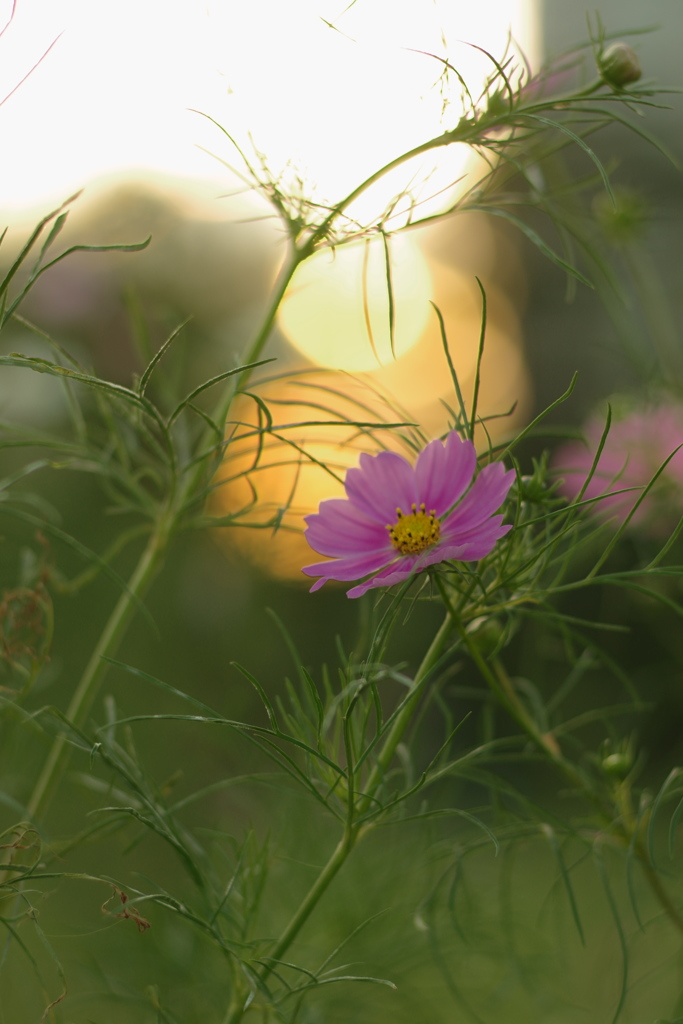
pixel 413 533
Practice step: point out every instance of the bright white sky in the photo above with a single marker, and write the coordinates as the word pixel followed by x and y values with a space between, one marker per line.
pixel 114 90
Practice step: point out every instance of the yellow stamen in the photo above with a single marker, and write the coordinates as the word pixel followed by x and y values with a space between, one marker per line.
pixel 415 532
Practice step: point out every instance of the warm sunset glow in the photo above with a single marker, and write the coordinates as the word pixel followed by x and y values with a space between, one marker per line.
pixel 365 84
pixel 420 380
pixel 328 91
pixel 337 309
pixel 289 479
pixel 286 482
pixel 319 94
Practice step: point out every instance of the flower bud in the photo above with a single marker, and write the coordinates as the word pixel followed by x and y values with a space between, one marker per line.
pixel 618 764
pixel 619 65
pixel 488 634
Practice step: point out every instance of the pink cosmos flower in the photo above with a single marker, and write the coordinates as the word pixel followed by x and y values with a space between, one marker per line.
pixel 398 519
pixel 636 447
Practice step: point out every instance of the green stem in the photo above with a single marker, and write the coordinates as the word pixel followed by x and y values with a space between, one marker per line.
pixel 441 140
pixel 58 758
pixel 254 351
pixel 549 746
pixel 353 832
pixel 333 866
pixel 404 717
pixel 466 131
pixel 310 901
pixel 85 693
pixel 222 411
pixel 500 684
pixel 88 575
pixel 149 562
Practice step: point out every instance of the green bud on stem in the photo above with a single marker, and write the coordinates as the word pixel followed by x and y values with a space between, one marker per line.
pixel 619 65
pixel 617 764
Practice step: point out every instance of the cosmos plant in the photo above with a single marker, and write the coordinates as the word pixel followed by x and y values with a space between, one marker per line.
pixel 434 520
pixel 633 463
pixel 437 735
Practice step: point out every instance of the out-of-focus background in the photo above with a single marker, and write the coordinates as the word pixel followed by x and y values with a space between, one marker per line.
pixel 110 99
pixel 105 97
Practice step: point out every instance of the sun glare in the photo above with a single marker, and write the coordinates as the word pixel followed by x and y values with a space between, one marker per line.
pixel 329 89
pixel 318 95
pixel 358 307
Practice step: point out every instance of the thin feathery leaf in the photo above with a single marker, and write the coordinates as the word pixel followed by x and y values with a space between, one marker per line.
pixel 144 380
pixel 623 944
pixel 480 356
pixel 673 776
pixel 549 833
pixel 535 238
pixel 210 383
pixel 454 376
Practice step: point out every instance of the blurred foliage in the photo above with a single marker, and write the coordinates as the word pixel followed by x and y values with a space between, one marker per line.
pixel 522 853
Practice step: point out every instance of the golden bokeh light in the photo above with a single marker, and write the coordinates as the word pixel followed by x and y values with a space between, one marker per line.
pixel 289 480
pixel 420 379
pixel 337 309
pixel 279 480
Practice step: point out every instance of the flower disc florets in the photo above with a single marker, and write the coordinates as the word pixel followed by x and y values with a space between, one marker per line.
pixel 371 533
pixel 413 533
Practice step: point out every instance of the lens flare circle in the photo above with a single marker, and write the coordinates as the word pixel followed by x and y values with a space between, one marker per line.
pixel 340 304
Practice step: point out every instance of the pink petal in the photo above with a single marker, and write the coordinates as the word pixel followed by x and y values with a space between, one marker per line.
pixel 443 472
pixel 470 549
pixel 351 568
pixel 462 536
pixel 479 543
pixel 381 484
pixel 397 573
pixel 353 531
pixel 486 494
pixel 616 469
pixel 339 528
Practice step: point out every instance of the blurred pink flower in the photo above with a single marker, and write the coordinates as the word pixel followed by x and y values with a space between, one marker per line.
pixel 636 447
pixel 398 519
